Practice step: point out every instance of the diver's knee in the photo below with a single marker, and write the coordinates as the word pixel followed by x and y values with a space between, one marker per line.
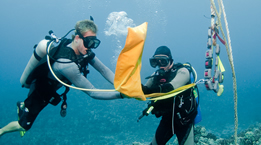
pixel 15 125
pixel 22 129
pixel 24 125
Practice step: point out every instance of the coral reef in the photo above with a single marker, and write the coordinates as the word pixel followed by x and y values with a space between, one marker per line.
pixel 250 136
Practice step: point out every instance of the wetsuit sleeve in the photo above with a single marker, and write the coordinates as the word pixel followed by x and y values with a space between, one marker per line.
pixel 71 72
pixel 149 83
pixel 102 69
pixel 149 88
pixel 164 88
pixel 182 78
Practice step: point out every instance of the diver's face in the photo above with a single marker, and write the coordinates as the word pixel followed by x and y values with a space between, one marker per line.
pixel 81 48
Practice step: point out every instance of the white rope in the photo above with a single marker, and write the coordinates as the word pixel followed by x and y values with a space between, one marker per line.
pixel 234 76
pixel 228 34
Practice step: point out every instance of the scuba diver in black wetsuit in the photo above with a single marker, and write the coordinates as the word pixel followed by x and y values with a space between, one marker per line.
pixel 178 113
pixel 43 87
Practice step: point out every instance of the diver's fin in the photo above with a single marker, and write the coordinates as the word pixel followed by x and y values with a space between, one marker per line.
pixel 20 111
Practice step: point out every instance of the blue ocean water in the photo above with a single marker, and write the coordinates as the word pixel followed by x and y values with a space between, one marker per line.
pixel 180 25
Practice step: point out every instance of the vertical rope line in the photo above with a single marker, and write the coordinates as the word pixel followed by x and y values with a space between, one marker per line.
pixel 233 71
pixel 230 57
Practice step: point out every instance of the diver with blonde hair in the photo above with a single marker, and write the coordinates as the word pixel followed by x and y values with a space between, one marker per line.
pixel 42 84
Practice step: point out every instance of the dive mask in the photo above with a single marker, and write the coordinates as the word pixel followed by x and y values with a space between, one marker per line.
pixel 161 61
pixel 89 41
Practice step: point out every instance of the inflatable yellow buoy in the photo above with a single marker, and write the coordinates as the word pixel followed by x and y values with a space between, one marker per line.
pixel 127 75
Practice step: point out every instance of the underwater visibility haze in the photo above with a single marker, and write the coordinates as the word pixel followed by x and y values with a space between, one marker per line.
pixel 180 25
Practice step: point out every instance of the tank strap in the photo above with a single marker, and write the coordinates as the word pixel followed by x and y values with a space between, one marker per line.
pixel 37 56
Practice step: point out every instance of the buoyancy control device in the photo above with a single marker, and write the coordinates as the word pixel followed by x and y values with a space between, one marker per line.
pixel 37 66
pixel 195 93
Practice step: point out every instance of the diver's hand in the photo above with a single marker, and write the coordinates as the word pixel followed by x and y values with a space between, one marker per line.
pixel 123 96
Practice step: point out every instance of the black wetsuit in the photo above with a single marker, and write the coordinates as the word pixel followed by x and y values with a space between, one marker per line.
pixel 181 121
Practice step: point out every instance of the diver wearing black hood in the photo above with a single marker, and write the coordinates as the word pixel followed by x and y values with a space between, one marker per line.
pixel 177 112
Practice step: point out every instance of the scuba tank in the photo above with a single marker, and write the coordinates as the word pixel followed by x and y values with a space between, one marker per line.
pixel 40 50
pixel 39 53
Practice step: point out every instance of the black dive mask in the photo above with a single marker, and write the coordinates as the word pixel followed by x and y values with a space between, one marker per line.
pixel 90 41
pixel 161 61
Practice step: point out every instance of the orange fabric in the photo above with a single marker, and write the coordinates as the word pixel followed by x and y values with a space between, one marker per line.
pixel 127 75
